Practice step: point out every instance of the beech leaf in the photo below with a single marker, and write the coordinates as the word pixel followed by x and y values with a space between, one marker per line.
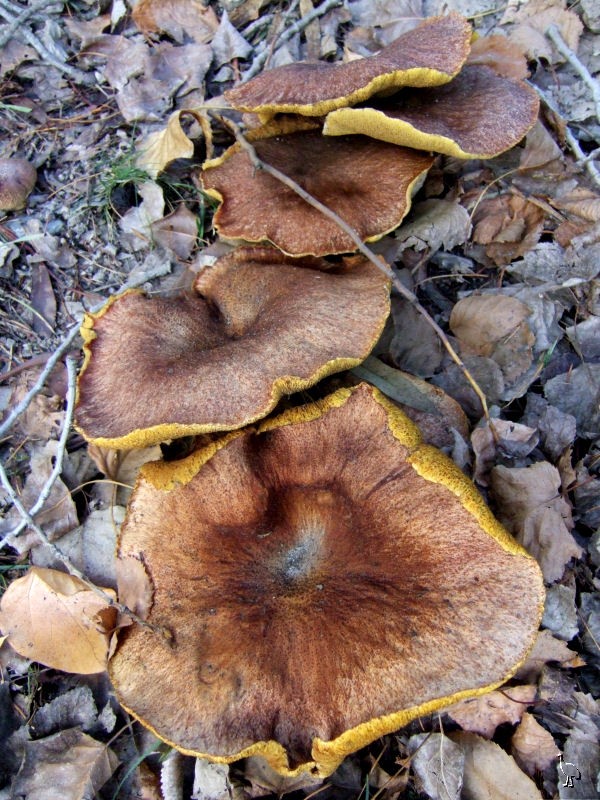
pixel 532 746
pixel 53 618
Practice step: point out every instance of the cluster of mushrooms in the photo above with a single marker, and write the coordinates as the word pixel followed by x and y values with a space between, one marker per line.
pixel 324 576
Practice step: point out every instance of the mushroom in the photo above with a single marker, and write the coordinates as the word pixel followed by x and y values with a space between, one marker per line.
pixel 479 114
pixel 258 325
pixel 428 55
pixel 325 579
pixel 368 184
pixel 17 179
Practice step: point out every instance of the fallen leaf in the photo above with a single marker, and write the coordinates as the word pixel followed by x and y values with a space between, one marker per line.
pixel 509 226
pixel 492 773
pixel 70 765
pixel 540 149
pixel 532 746
pixel 162 147
pixel 438 764
pixel 437 224
pixel 483 714
pixel 179 18
pixel 581 761
pixel 547 649
pixel 486 374
pixel 585 337
pixel 211 781
pixel 263 777
pixel 495 326
pixel 577 393
pixel 46 609
pixel 557 430
pixel 391 17
pixel 228 43
pixel 560 614
pixel 498 438
pixel 503 56
pixel 42 299
pixel 74 708
pixel 137 222
pixel 529 503
pixel 531 21
pixel 136 590
pixel 415 347
pixel 178 232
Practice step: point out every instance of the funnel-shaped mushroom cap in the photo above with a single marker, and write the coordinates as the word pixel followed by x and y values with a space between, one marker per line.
pixel 480 114
pixel 428 55
pixel 326 579
pixel 368 184
pixel 262 325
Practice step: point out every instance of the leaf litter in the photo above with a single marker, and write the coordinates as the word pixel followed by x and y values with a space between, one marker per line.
pixel 504 254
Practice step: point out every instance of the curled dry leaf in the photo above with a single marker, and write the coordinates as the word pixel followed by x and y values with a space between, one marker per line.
pixel 181 19
pixel 178 232
pixel 499 437
pixel 162 147
pixel 532 746
pixel 530 504
pixel 483 714
pixel 54 618
pixel 532 20
pixel 492 773
pixel 503 56
pixel 509 226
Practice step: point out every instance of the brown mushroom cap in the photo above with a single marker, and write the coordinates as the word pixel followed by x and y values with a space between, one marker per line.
pixel 17 179
pixel 428 55
pixel 262 325
pixel 368 184
pixel 326 578
pixel 479 114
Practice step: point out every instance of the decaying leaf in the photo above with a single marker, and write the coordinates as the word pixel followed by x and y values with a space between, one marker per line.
pixel 483 714
pixel 42 299
pixel 577 393
pixel 532 746
pixel 496 438
pixel 495 326
pixel 415 347
pixel 46 609
pixel 560 614
pixel 503 56
pixel 530 504
pixel 178 232
pixel 135 587
pixel 531 20
pixel 509 226
pixel 228 43
pixel 438 763
pixel 179 18
pixel 70 765
pixel 137 222
pixel 546 650
pixel 263 779
pixel 492 773
pixel 211 781
pixel 557 429
pixel 437 224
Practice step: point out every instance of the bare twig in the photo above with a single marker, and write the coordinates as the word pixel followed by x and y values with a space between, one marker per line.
pixel 570 138
pixel 563 48
pixel 51 363
pixel 259 164
pixel 7 12
pixel 288 34
pixel 22 16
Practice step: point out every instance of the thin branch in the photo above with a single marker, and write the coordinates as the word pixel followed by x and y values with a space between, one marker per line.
pixel 37 387
pixel 60 454
pixel 563 48
pixel 22 15
pixel 287 34
pixel 259 164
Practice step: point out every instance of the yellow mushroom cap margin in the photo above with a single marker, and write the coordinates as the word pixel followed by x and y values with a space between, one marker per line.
pixel 326 579
pixel 369 184
pixel 259 325
pixel 428 55
pixel 479 114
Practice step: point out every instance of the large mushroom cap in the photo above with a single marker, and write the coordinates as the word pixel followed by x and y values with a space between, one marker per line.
pixel 428 55
pixel 368 184
pixel 479 114
pixel 326 579
pixel 260 326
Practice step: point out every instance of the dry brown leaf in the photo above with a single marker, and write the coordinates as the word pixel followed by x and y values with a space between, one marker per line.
pixel 263 779
pixel 547 649
pixel 438 764
pixel 437 224
pixel 499 436
pixel 509 226
pixel 69 765
pixel 532 746
pixel 540 150
pixel 495 326
pixel 179 18
pixel 178 232
pixel 162 147
pixel 503 56
pixel 42 299
pixel 53 618
pixel 529 503
pixel 581 202
pixel 491 774
pixel 483 714
pixel 532 20
pixel 136 590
